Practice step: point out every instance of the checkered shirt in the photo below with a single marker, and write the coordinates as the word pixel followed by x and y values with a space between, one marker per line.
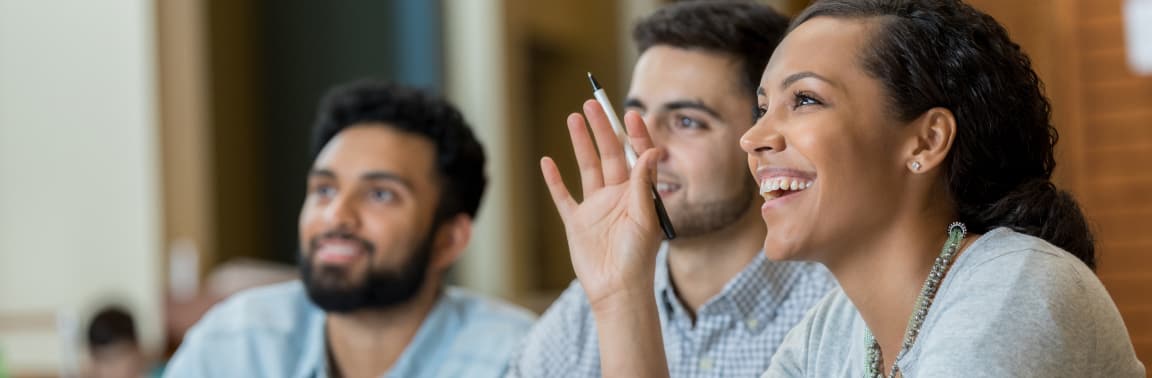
pixel 735 333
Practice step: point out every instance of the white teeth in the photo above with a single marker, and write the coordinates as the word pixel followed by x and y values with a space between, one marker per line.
pixel 340 250
pixel 766 189
pixel 771 185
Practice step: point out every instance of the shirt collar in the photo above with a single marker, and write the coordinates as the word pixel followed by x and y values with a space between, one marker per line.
pixel 666 297
pixel 439 322
pixel 427 345
pixel 757 291
pixel 314 363
pixel 752 296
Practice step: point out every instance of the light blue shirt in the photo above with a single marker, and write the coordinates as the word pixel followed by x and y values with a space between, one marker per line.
pixel 276 331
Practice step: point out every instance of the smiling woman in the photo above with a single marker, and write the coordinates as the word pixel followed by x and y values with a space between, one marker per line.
pixel 888 130
pixel 941 118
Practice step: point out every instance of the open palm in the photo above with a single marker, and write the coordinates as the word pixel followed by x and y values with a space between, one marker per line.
pixel 613 235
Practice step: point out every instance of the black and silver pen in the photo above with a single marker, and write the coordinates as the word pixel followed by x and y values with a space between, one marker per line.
pixel 630 154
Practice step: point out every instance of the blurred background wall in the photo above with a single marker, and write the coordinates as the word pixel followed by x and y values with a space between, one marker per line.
pixel 1104 114
pixel 80 214
pixel 153 152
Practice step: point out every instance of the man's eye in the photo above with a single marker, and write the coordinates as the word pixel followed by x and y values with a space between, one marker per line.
pixel 325 191
pixel 685 122
pixel 383 195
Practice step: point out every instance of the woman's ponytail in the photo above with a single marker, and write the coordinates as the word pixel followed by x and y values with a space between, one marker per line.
pixel 1039 209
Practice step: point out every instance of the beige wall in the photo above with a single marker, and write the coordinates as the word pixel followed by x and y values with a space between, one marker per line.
pixel 79 221
pixel 474 53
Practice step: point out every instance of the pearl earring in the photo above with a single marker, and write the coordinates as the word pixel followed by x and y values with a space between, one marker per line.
pixel 916 166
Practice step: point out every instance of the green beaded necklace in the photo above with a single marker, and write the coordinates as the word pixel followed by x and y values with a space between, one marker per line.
pixel 956 233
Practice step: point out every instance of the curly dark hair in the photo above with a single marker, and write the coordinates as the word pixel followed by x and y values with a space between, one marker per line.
pixel 746 30
pixel 459 156
pixel 944 53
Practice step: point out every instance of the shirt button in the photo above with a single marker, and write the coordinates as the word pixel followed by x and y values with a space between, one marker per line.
pixel 752 323
pixel 705 363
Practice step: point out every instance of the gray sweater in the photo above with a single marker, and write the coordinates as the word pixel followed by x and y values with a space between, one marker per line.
pixel 1011 306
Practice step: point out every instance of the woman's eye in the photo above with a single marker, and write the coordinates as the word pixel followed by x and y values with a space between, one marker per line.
pixel 803 99
pixel 760 111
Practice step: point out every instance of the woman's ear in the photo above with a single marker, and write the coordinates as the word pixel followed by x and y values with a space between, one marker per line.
pixel 451 240
pixel 930 139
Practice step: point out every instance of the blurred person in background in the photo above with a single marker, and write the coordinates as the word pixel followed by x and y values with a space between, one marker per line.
pixel 723 305
pixel 396 181
pixel 113 347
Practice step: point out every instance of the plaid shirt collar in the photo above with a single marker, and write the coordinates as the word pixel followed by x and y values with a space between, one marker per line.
pixel 753 295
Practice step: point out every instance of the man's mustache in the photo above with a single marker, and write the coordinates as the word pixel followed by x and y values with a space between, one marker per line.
pixel 340 235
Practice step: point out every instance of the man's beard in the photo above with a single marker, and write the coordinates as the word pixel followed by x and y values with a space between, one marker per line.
pixel 699 219
pixel 331 288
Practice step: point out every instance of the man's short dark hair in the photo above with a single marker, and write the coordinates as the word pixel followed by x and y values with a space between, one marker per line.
pixel 746 30
pixel 459 156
